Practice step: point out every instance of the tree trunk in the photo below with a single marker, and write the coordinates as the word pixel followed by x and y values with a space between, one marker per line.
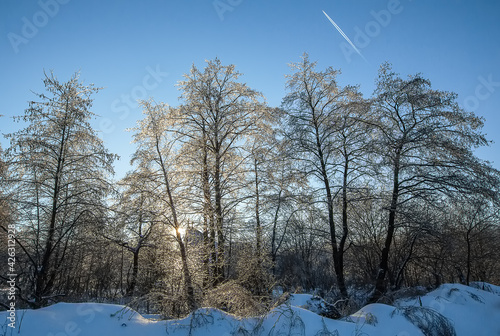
pixel 187 276
pixel 384 260
pixel 345 232
pixel 219 276
pixel 258 229
pixel 208 222
pixel 336 253
pixel 467 238
pixel 135 271
pixel 274 248
pixel 41 284
pixel 258 232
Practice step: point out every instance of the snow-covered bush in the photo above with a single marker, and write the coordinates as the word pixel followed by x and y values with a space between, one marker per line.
pixel 233 298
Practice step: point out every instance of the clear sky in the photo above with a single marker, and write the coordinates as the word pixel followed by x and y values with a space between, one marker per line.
pixel 138 49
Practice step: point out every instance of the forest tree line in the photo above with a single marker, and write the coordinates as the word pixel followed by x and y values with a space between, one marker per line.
pixel 230 198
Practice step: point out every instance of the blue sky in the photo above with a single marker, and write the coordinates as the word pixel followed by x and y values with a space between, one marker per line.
pixel 138 49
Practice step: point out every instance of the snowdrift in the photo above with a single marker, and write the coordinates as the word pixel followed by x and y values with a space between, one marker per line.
pixel 452 309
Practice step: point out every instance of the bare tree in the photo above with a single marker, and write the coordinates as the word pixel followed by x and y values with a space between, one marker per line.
pixel 134 221
pixel 475 219
pixel 59 169
pixel 156 159
pixel 313 104
pixel 425 141
pixel 4 197
pixel 217 115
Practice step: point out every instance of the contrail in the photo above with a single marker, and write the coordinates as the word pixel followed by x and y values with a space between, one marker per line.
pixel 344 35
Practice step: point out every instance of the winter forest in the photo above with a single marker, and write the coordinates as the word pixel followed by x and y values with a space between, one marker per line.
pixel 232 202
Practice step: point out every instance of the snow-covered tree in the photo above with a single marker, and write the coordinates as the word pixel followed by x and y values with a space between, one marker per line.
pixel 157 159
pixel 315 105
pixel 4 203
pixel 134 222
pixel 217 115
pixel 59 170
pixel 426 143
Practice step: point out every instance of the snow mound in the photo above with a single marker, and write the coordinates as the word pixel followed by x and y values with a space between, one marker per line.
pixel 486 287
pixel 381 319
pixel 470 310
pixel 81 319
pixel 451 309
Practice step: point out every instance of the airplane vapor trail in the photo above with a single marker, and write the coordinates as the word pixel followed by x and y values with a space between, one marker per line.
pixel 344 35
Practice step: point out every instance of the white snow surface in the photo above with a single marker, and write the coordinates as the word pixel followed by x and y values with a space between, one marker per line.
pixel 469 310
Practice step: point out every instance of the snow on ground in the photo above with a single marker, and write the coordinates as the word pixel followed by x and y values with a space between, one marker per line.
pixel 451 307
pixel 315 304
